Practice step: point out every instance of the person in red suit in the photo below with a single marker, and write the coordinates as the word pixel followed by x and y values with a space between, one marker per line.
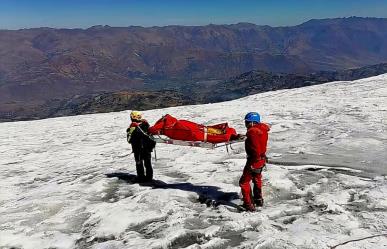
pixel 255 146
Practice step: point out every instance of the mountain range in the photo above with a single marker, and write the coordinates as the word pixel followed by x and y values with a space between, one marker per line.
pixel 203 92
pixel 45 65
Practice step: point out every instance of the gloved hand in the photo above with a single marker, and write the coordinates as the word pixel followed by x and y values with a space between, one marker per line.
pixel 239 137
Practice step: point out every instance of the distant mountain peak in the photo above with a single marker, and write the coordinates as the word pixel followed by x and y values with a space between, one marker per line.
pixel 340 20
pixel 244 24
pixel 99 27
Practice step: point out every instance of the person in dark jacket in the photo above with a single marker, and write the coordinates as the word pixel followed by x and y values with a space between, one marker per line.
pixel 255 146
pixel 142 146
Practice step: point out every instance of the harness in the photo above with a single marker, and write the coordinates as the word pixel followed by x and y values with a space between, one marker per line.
pixel 261 157
pixel 259 170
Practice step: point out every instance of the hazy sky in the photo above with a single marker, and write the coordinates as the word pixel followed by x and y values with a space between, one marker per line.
pixel 15 14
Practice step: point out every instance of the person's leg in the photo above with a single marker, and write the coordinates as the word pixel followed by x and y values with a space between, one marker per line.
pixel 244 183
pixel 257 189
pixel 139 165
pixel 147 157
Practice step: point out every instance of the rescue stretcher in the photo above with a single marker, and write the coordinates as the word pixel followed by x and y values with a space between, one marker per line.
pixel 169 130
pixel 208 145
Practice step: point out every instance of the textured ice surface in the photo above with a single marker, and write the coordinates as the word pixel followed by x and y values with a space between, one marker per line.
pixel 69 182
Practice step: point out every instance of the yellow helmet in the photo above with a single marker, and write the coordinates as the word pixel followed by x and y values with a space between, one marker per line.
pixel 136 115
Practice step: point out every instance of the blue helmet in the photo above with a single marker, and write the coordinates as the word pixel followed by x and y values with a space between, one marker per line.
pixel 253 117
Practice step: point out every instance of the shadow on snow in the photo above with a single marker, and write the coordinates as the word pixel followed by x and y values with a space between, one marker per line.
pixel 209 195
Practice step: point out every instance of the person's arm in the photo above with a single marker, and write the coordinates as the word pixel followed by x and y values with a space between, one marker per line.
pixel 267 127
pixel 130 131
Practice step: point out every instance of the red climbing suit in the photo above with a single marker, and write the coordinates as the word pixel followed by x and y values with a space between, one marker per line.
pixel 255 145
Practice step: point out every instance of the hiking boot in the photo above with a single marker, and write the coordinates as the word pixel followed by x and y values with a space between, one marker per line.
pixel 148 179
pixel 258 202
pixel 249 207
pixel 141 179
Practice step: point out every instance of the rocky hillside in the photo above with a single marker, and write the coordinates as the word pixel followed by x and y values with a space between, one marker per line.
pixel 202 92
pixel 42 64
pixel 259 81
pixel 97 103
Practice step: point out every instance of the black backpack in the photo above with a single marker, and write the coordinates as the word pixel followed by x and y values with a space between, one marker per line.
pixel 149 143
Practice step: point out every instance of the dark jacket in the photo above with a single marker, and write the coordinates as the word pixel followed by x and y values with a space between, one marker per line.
pixel 138 137
pixel 256 145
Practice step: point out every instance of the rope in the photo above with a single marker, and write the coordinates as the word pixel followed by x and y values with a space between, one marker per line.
pixel 143 132
pixel 354 240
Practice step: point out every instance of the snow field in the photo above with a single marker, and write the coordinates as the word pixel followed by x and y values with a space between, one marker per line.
pixel 69 182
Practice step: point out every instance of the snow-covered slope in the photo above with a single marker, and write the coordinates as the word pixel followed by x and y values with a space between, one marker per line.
pixel 68 182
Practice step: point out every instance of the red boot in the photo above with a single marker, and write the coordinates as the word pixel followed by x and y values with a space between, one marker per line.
pixel 249 207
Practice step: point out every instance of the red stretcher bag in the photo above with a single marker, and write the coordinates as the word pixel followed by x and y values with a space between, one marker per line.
pixel 190 131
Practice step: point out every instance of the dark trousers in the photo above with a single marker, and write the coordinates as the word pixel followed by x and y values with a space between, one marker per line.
pixel 143 158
